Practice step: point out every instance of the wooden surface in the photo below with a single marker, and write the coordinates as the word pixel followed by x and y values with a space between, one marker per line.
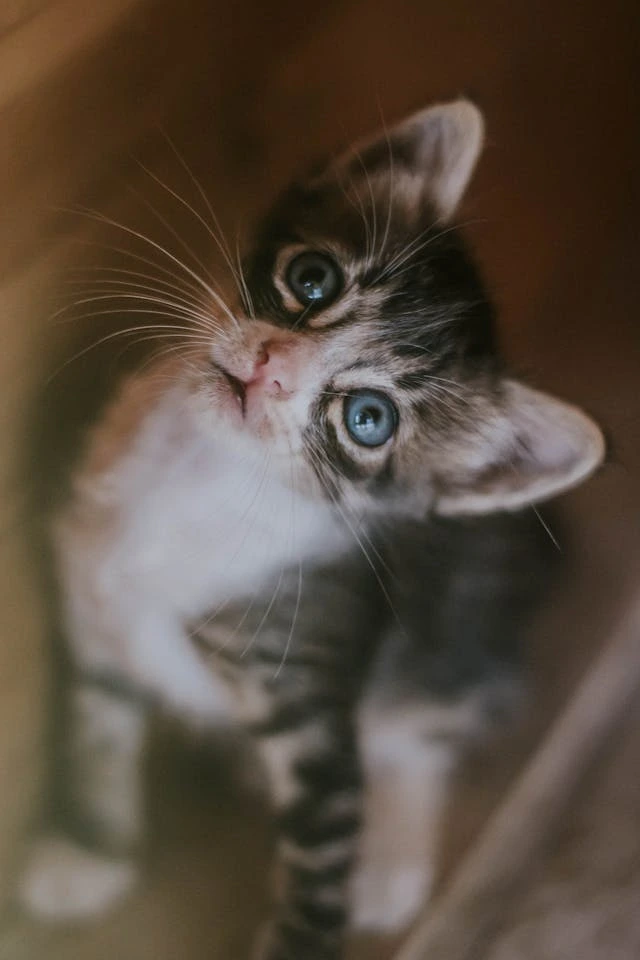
pixel 249 92
pixel 506 858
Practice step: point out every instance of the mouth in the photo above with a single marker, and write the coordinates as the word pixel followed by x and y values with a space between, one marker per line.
pixel 237 388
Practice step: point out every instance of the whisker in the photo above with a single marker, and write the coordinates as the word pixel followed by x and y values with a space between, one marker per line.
pixel 546 527
pixel 374 215
pixel 196 289
pixel 393 266
pixel 365 553
pixel 123 304
pixel 169 350
pixel 174 233
pixel 292 531
pixel 358 205
pixel 102 218
pixel 159 356
pixel 155 283
pixel 244 289
pixel 345 506
pixel 418 244
pixel 300 319
pixel 385 238
pixel 119 333
pixel 293 624
pixel 264 617
pixel 212 234
pixel 182 311
pixel 202 192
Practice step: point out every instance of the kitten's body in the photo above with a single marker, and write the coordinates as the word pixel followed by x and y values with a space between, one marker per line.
pixel 236 548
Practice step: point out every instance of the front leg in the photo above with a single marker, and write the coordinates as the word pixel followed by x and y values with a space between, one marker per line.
pixel 312 765
pixel 85 861
pixel 297 672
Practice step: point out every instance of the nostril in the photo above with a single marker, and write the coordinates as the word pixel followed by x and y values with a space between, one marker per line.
pixel 262 357
pixel 271 368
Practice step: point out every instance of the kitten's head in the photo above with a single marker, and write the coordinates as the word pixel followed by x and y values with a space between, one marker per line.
pixel 364 354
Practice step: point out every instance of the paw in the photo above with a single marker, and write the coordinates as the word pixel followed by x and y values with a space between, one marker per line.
pixel 62 881
pixel 387 897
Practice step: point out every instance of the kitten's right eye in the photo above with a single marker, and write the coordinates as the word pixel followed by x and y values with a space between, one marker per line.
pixel 314 279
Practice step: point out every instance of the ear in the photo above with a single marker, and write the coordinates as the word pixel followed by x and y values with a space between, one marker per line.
pixel 431 154
pixel 531 448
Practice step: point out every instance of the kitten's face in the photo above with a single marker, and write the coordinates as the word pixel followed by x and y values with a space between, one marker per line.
pixel 364 359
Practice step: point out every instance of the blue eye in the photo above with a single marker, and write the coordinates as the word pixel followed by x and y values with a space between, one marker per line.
pixel 314 278
pixel 370 417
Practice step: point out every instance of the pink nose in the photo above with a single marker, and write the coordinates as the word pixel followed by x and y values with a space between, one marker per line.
pixel 272 370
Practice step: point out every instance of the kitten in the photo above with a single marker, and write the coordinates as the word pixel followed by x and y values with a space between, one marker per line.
pixel 311 522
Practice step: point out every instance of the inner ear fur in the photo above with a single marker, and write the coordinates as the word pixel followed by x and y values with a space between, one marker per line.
pixel 531 447
pixel 431 153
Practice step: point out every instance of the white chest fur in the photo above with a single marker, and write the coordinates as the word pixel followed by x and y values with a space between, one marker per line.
pixel 180 523
pixel 215 526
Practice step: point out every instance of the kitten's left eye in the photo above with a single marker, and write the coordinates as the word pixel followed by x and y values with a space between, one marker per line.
pixel 370 417
pixel 314 279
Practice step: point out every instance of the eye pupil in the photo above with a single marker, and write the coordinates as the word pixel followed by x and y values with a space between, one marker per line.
pixel 370 418
pixel 367 419
pixel 313 281
pixel 313 278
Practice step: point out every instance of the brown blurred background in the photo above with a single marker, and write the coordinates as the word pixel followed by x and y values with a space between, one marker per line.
pixel 249 92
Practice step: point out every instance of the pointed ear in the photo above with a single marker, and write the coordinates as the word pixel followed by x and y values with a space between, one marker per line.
pixel 446 141
pixel 531 448
pixel 430 154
